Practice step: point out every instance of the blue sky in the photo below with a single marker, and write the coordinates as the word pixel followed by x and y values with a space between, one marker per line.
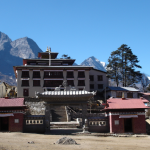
pixel 81 28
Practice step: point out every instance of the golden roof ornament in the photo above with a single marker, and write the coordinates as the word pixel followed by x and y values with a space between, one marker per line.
pixel 48 49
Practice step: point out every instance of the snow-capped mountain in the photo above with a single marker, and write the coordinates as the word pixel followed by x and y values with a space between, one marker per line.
pixel 143 84
pixel 94 62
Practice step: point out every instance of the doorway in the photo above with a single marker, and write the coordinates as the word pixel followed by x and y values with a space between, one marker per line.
pixel 4 123
pixel 128 125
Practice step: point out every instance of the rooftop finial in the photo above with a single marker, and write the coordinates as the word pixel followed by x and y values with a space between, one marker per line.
pixel 48 49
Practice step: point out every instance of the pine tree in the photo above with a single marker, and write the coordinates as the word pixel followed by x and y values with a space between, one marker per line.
pixel 113 69
pixel 121 67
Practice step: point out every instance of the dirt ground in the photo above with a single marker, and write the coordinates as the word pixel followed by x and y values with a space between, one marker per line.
pixel 19 141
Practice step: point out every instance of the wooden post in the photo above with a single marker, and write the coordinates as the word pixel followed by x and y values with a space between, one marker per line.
pixel 47 118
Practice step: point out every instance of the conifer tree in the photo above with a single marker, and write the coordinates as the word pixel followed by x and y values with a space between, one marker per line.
pixel 121 67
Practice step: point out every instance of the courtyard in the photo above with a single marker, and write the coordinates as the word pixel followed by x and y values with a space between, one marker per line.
pixel 29 141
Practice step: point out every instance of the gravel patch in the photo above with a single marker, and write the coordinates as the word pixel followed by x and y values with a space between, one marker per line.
pixel 66 141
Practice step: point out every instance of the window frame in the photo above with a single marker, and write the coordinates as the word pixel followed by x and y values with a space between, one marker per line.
pixel 99 77
pixel 100 85
pixel 35 84
pixel 91 77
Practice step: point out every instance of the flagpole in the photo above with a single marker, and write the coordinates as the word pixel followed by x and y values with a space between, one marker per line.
pixel 49 56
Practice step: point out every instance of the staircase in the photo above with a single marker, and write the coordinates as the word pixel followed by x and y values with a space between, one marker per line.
pixel 59 114
pixel 59 118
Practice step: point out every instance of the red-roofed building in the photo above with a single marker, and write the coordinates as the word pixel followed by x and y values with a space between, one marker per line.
pixel 12 114
pixel 126 115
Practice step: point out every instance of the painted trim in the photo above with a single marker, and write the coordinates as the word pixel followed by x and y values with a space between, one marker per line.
pixel 53 70
pixel 70 78
pixel 126 113
pixel 54 79
pixel 37 79
pixel 24 78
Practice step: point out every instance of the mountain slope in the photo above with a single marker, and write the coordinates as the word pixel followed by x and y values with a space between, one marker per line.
pixel 12 53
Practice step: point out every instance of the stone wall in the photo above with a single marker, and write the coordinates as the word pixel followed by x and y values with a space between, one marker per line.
pixel 35 106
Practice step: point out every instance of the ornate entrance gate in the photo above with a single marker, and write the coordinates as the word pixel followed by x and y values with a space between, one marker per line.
pixel 70 97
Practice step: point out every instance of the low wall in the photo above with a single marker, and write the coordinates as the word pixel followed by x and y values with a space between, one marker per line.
pixel 34 124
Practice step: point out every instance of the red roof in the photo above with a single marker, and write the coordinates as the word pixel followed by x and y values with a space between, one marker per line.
pixel 128 103
pixel 145 101
pixel 15 102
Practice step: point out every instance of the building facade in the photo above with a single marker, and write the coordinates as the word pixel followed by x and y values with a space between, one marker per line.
pixel 47 72
pixel 12 114
pixel 119 92
pixel 126 115
pixel 98 80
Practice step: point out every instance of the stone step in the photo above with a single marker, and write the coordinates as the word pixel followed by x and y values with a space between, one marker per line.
pixel 59 113
pixel 64 125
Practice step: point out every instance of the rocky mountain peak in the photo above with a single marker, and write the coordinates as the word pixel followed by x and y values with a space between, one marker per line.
pixel 94 62
pixel 24 48
pixel 4 38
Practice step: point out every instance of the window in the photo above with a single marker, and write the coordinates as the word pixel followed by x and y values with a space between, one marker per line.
pixel 70 74
pixel 25 82
pixel 36 82
pixel 53 74
pixel 52 83
pixel 25 92
pixel 81 74
pixel 81 83
pixel 116 122
pixel 70 82
pixel 97 123
pixel 129 95
pixel 91 86
pixel 16 120
pixel 32 122
pixel 100 78
pixel 100 86
pixel 36 74
pixel 91 78
pixel 119 94
pixel 25 74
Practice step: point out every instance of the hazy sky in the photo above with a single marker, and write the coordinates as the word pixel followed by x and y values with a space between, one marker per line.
pixel 81 28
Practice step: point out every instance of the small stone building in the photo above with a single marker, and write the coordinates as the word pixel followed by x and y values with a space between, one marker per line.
pixel 12 114
pixel 126 115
